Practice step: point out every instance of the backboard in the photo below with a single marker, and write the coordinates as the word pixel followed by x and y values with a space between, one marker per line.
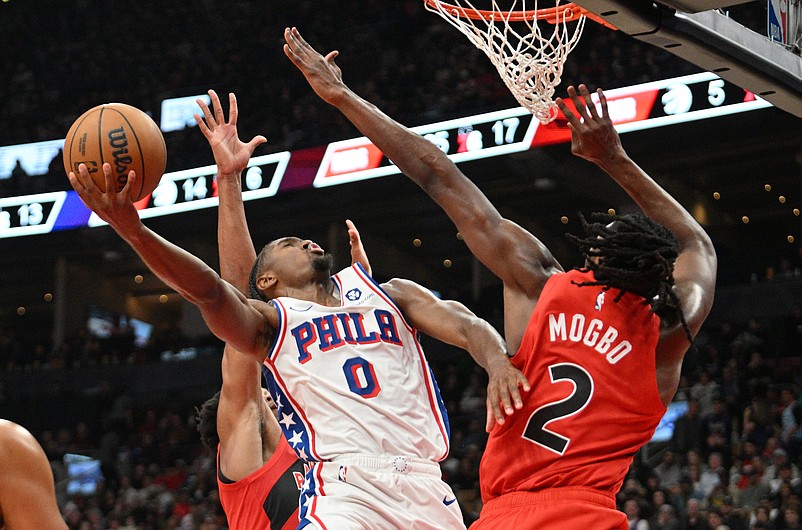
pixel 701 32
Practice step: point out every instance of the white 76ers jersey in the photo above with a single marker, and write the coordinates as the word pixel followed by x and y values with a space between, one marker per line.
pixel 353 378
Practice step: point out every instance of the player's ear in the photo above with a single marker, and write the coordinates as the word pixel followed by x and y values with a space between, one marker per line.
pixel 266 281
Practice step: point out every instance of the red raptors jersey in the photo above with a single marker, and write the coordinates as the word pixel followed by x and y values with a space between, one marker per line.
pixel 594 399
pixel 267 499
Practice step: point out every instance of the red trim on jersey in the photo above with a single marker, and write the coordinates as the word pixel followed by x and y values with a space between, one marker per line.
pixel 319 479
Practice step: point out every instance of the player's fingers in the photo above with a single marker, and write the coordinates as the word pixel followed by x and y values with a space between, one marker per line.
pixel 491 419
pixel 256 141
pixel 125 193
pixel 76 183
pixel 578 104
pixel 515 394
pixel 207 114
pixel 108 177
pixel 603 101
pixel 588 101
pixel 202 126
pixel 570 116
pixel 331 56
pixel 218 108
pixel 507 403
pixel 353 233
pixel 233 111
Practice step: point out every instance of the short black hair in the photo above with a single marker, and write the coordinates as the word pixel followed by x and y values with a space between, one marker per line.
pixel 206 420
pixel 637 255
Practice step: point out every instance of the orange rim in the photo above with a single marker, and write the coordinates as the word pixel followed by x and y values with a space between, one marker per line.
pixel 552 15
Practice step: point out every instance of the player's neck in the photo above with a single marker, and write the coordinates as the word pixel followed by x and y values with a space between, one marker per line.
pixel 323 293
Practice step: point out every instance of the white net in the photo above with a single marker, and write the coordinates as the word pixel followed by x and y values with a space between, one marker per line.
pixel 530 61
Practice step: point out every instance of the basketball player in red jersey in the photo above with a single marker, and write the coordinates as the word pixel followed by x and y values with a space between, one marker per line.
pixel 602 346
pixel 27 491
pixel 259 476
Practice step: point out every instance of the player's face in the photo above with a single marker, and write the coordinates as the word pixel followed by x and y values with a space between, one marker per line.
pixel 294 254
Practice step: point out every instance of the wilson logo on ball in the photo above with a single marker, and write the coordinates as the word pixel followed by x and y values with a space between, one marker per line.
pixel 122 161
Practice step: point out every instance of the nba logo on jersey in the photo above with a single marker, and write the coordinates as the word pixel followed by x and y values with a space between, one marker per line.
pixel 341 473
pixel 599 301
pixel 353 295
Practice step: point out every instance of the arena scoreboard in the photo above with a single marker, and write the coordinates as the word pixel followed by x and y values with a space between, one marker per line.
pixel 645 106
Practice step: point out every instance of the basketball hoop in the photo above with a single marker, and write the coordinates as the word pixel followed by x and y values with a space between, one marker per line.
pixel 530 63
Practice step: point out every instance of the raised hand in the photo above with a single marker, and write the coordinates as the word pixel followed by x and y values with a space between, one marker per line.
pixel 116 208
pixel 358 254
pixel 322 74
pixel 230 153
pixel 593 136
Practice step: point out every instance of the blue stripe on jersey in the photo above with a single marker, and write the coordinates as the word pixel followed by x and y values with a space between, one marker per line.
pixel 441 405
pixel 308 493
pixel 292 425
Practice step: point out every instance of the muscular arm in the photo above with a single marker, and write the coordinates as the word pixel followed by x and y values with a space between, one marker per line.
pixel 27 491
pixel 230 316
pixel 513 254
pixel 240 417
pixel 453 323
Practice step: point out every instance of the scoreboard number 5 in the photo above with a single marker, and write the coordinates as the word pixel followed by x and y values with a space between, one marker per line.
pixel 579 398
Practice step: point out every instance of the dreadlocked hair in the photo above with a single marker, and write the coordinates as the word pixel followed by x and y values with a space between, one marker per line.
pixel 206 420
pixel 636 255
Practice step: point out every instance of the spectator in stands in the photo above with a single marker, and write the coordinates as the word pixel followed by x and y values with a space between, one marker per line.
pixel 632 509
pixel 694 517
pixel 717 429
pixel 666 519
pixel 714 475
pixel 668 470
pixel 790 413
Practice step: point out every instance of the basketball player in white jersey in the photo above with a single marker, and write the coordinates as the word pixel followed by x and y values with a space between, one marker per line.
pixel 355 393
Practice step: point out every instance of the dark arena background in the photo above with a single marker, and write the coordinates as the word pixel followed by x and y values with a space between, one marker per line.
pixel 105 365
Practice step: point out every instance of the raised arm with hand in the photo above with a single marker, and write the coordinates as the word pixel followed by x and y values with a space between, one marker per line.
pixel 594 138
pixel 245 325
pixel 453 323
pixel 527 263
pixel 237 253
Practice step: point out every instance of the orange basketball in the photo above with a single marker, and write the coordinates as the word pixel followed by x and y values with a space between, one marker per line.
pixel 123 136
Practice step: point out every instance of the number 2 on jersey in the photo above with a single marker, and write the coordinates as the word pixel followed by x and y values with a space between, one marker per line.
pixel 578 399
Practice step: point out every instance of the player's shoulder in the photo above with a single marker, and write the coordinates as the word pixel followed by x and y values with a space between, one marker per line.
pixel 14 436
pixel 17 443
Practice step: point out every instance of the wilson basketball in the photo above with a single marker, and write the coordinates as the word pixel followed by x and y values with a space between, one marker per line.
pixel 123 136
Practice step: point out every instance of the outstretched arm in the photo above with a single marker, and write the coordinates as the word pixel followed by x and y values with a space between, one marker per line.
pixel 453 323
pixel 595 139
pixel 226 311
pixel 237 254
pixel 512 253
